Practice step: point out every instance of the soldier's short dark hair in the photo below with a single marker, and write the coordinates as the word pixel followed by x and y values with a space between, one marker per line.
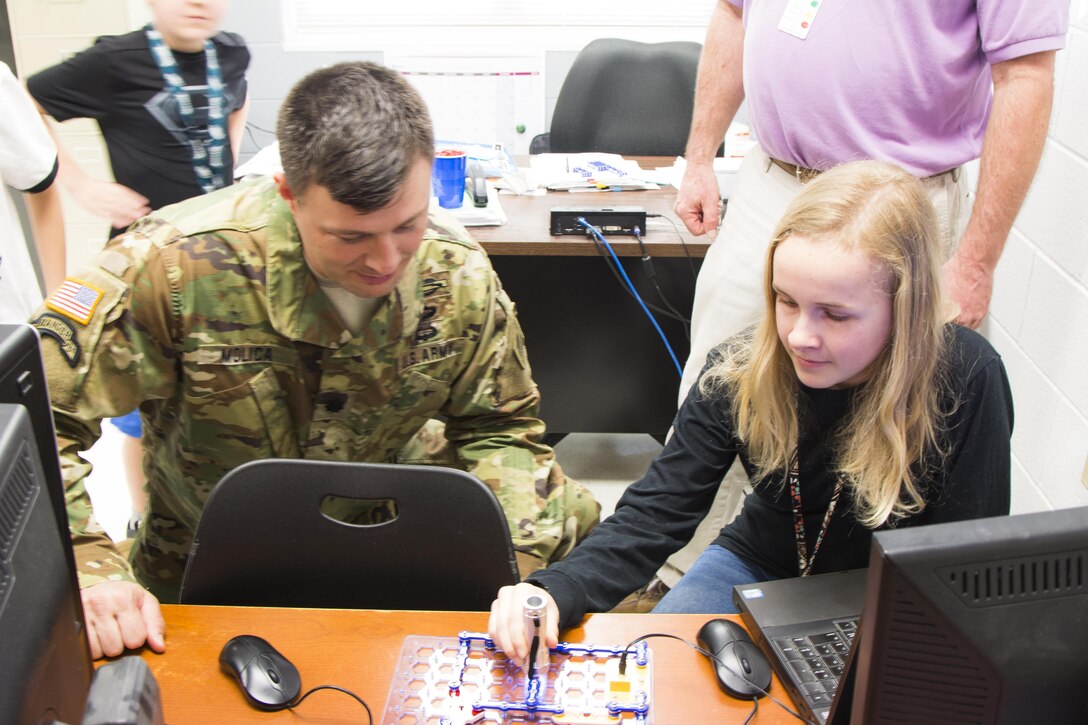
pixel 356 129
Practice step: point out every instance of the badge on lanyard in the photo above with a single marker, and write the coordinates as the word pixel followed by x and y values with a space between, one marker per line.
pixel 798 17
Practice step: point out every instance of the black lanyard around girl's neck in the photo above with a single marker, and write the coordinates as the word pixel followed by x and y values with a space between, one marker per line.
pixel 207 149
pixel 804 561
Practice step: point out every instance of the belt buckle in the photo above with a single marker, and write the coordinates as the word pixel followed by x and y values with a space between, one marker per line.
pixel 800 173
pixel 805 175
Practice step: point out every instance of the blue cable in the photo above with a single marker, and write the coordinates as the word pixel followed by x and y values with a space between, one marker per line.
pixel 596 232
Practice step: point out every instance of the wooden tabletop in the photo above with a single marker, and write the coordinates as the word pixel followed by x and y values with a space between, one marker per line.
pixel 359 650
pixel 526 231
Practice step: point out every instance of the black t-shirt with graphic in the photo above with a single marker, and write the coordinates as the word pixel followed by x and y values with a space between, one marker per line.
pixel 117 82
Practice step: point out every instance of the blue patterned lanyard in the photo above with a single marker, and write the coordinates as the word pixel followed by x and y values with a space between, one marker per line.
pixel 207 150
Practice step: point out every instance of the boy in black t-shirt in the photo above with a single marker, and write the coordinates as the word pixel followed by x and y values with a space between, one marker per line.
pixel 155 129
pixel 171 101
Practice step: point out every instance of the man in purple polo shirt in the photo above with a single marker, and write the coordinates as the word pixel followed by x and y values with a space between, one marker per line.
pixel 925 85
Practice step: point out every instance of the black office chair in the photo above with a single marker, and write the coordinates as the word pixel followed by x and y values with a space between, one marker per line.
pixel 625 97
pixel 264 540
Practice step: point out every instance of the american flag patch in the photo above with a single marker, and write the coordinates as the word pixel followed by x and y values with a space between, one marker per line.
pixel 75 299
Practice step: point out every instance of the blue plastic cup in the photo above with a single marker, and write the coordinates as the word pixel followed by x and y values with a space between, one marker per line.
pixel 448 178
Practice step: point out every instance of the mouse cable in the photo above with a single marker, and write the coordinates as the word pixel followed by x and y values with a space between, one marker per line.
pixel 687 253
pixel 612 268
pixel 711 655
pixel 752 714
pixel 597 233
pixel 312 690
pixel 648 265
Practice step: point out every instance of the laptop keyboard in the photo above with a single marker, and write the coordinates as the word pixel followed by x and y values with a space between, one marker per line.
pixel 818 660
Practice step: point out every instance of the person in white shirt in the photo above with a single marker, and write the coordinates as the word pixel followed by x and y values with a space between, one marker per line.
pixel 28 163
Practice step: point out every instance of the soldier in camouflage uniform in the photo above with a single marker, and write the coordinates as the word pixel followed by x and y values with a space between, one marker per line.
pixel 323 314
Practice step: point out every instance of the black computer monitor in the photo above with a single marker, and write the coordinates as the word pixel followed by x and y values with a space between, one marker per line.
pixel 23 382
pixel 45 662
pixel 982 621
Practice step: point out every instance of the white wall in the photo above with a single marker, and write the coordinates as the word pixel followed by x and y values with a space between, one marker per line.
pixel 1039 316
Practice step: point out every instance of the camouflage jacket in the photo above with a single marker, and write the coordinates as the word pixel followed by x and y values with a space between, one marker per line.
pixel 206 317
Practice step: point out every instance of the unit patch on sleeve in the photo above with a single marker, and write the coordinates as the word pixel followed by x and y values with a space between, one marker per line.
pixel 61 330
pixel 75 299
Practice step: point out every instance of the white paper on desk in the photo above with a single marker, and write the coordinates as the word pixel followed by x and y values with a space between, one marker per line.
pixel 569 171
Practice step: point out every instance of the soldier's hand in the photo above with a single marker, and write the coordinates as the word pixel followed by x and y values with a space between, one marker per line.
pixel 698 201
pixel 507 623
pixel 122 615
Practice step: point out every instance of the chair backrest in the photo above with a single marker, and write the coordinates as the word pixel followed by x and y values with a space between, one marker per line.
pixel 264 540
pixel 626 97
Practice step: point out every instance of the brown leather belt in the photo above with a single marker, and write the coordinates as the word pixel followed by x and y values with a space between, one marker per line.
pixel 804 175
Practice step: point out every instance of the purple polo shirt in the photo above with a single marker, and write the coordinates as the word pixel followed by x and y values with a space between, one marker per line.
pixel 902 81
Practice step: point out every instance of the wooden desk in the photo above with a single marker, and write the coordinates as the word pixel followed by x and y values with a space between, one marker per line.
pixel 359 649
pixel 600 365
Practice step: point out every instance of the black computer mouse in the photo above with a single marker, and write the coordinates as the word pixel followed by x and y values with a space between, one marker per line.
pixel 743 672
pixel 268 679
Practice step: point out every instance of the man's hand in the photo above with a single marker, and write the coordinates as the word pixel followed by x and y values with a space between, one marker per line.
pixel 507 623
pixel 968 285
pixel 122 615
pixel 698 202
pixel 118 203
pixel 719 91
pixel 1015 136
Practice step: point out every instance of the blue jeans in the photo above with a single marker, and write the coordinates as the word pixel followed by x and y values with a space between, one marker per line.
pixel 707 588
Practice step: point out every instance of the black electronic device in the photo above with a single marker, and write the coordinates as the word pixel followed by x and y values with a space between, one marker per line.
pixel 805 625
pixel 45 662
pixel 608 219
pixel 476 184
pixel 124 692
pixel 267 678
pixel 742 670
pixel 23 382
pixel 982 621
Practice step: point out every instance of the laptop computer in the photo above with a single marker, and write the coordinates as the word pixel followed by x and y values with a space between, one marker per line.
pixel 806 627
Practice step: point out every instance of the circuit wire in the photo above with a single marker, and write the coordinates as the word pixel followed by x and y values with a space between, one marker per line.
pixel 630 285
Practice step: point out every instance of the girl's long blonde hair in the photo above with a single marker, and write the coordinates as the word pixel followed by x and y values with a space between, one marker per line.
pixel 884 448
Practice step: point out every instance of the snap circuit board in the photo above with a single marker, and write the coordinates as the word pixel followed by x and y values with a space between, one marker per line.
pixel 457 681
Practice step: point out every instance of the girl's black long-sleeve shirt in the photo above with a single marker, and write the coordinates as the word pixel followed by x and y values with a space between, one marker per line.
pixel 658 514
